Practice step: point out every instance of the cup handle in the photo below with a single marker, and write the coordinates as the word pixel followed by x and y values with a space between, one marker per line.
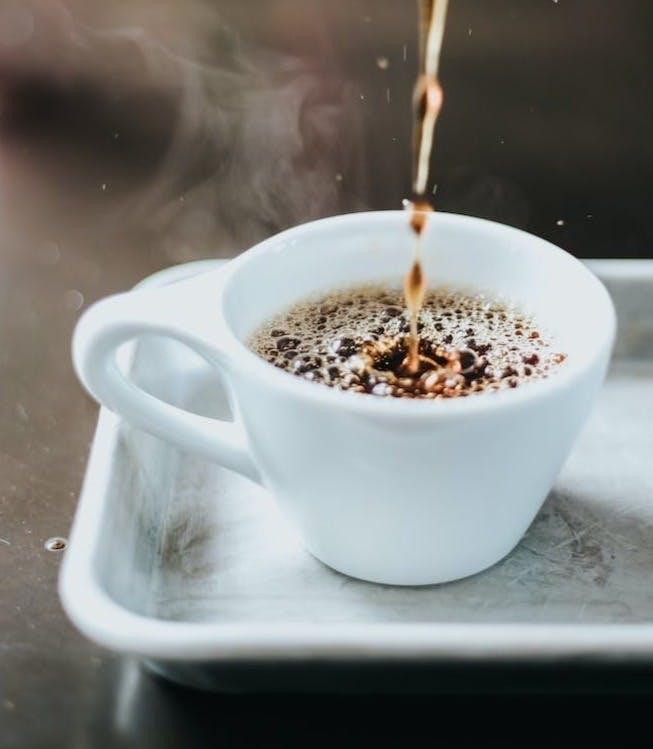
pixel 107 325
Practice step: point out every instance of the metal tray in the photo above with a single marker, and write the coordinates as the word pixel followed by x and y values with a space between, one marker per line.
pixel 192 568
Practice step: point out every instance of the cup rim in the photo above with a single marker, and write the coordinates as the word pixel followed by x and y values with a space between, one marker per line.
pixel 364 403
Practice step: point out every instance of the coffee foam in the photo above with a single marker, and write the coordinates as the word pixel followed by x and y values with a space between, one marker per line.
pixel 357 339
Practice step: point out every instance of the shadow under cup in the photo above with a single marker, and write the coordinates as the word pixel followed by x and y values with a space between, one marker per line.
pixel 413 492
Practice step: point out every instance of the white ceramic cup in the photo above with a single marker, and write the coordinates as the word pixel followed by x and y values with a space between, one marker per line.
pixel 389 490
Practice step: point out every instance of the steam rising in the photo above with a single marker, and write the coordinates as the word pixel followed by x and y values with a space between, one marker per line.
pixel 260 140
pixel 254 150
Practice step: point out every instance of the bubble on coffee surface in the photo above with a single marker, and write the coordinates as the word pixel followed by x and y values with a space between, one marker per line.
pixel 357 340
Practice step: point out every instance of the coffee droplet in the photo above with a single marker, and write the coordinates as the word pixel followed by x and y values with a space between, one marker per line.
pixel 415 286
pixel 56 543
pixel 419 214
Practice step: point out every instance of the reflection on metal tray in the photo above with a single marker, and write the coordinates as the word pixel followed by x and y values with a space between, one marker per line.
pixel 188 565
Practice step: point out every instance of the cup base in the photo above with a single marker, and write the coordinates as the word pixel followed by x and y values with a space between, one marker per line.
pixel 415 580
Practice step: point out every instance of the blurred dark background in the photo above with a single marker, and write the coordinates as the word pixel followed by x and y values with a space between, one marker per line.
pixel 135 134
pixel 209 124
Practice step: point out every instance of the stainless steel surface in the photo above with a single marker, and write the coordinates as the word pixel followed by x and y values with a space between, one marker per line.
pixel 86 121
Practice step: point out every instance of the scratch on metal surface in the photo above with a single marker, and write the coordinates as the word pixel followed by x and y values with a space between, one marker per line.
pixel 540 554
pixel 618 539
pixel 576 538
pixel 522 574
pixel 582 608
pixel 603 528
pixel 4 541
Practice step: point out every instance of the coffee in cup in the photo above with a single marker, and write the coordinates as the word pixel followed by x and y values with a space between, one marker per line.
pixel 358 339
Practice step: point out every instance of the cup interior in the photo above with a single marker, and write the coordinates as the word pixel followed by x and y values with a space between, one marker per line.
pixel 458 251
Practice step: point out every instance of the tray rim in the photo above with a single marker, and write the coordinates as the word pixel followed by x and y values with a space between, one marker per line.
pixel 113 626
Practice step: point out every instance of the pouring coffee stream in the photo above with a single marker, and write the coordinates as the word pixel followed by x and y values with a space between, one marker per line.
pixel 415 286
pixel 427 102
